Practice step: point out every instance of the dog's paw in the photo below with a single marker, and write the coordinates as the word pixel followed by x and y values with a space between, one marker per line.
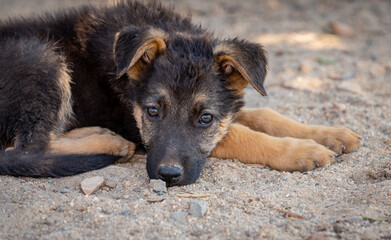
pixel 110 143
pixel 340 140
pixel 300 155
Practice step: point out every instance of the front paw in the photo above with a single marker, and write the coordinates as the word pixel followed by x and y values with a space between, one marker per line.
pixel 300 155
pixel 340 140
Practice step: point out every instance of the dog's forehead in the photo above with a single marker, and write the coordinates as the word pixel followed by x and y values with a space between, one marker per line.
pixel 199 94
pixel 185 45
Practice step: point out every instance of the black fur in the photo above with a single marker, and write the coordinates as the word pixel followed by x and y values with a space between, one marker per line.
pixel 97 46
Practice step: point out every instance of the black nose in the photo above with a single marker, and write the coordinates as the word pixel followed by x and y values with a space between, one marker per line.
pixel 170 174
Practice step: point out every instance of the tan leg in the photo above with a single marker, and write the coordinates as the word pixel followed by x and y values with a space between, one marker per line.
pixel 268 121
pixel 92 140
pixel 285 154
pixel 86 131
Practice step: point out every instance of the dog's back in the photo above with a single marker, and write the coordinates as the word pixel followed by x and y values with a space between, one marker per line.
pixel 140 70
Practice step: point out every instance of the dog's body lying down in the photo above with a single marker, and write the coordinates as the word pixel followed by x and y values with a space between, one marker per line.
pixel 152 78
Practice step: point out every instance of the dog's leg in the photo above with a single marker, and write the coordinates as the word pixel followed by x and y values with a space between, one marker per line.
pixel 268 121
pixel 285 154
pixel 86 131
pixel 92 140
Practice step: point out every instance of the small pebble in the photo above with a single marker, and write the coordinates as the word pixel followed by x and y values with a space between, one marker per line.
pixel 111 183
pixel 65 190
pixel 351 86
pixel 389 193
pixel 106 211
pixel 179 216
pixel 91 184
pixel 368 235
pixel 338 228
pixel 154 199
pixel 316 236
pixel 125 212
pixel 340 107
pixel 158 185
pixel 341 29
pixel 127 184
pixel 198 208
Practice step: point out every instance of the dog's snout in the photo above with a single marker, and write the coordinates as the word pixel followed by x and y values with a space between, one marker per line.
pixel 170 174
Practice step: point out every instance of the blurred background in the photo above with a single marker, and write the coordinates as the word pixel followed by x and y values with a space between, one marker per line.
pixel 312 45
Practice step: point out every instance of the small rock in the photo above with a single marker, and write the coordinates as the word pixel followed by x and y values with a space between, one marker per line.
pixel 341 29
pixel 389 193
pixel 305 68
pixel 338 228
pixel 351 87
pixel 198 208
pixel 65 190
pixel 49 221
pixel 158 185
pixel 111 183
pixel 179 216
pixel 154 199
pixel 106 211
pixel 368 235
pixel 125 212
pixel 316 236
pixel 127 184
pixel 339 106
pixel 91 184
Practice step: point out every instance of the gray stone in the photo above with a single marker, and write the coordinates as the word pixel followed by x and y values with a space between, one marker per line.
pixel 125 212
pixel 158 185
pixel 65 190
pixel 111 183
pixel 179 216
pixel 369 235
pixel 198 208
pixel 316 236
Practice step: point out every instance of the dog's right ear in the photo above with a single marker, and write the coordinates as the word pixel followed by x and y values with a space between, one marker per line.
pixel 135 49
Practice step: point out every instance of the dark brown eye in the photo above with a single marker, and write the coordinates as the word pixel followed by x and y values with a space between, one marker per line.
pixel 152 112
pixel 206 119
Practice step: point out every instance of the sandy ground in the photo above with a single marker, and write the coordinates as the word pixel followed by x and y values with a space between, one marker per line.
pixel 315 77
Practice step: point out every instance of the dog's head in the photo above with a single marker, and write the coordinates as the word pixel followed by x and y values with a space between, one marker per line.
pixel 185 90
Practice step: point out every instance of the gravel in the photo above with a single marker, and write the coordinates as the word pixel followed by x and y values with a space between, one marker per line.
pixel 349 193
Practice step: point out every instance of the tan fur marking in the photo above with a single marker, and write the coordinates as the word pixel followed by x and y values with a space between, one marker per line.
pixel 147 52
pixel 223 128
pixel 65 112
pixel 91 140
pixel 238 79
pixel 237 82
pixel 85 24
pixel 86 131
pixel 270 122
pixel 285 154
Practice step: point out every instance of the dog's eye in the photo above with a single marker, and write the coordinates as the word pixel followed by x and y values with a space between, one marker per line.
pixel 206 119
pixel 152 112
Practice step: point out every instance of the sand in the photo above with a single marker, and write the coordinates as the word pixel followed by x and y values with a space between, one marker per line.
pixel 315 77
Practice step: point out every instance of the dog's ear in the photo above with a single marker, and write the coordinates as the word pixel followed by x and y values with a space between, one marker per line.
pixel 135 49
pixel 241 62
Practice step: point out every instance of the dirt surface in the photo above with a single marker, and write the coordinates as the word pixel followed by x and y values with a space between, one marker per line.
pixel 315 77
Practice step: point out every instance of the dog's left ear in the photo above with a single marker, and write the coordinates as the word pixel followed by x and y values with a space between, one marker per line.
pixel 135 49
pixel 241 62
